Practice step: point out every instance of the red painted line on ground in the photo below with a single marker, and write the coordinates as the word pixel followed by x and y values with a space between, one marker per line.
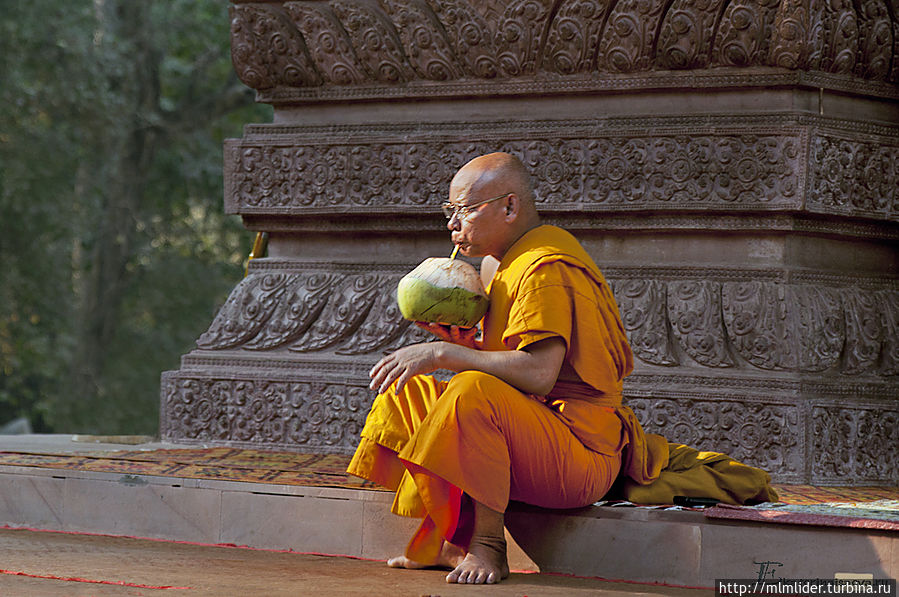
pixel 197 543
pixel 120 583
pixel 330 555
pixel 626 581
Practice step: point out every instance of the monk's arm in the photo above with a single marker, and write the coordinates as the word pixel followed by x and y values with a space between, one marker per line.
pixel 533 370
pixel 453 333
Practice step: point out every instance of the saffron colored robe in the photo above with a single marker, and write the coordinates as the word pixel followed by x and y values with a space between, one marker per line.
pixel 439 444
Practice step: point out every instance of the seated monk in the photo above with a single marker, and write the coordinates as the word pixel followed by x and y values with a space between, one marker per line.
pixel 534 413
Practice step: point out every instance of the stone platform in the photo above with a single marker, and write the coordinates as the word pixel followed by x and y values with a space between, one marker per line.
pixel 678 548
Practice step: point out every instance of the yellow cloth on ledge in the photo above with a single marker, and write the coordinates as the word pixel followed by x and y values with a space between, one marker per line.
pixel 692 473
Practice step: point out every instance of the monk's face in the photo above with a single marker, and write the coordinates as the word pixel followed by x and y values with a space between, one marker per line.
pixel 479 227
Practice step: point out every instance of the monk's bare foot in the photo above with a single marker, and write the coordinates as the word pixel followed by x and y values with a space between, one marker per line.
pixel 485 563
pixel 450 557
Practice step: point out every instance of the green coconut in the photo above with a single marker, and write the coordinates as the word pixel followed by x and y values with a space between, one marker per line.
pixel 442 290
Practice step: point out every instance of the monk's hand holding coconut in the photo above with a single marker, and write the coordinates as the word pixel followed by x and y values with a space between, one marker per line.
pixel 463 336
pixel 445 297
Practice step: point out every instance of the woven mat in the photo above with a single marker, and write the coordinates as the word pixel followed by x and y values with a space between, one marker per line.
pixel 810 494
pixel 224 464
pixel 853 507
pixel 882 515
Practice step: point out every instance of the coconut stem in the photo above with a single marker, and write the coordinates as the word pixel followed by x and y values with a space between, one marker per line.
pixel 455 250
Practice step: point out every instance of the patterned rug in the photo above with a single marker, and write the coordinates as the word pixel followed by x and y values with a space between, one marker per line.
pixel 810 494
pixel 317 470
pixel 881 515
pixel 223 464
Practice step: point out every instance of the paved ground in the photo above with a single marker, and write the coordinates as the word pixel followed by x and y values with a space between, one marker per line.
pixel 60 564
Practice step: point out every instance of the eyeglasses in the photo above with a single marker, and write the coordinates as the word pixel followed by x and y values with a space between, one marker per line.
pixel 460 211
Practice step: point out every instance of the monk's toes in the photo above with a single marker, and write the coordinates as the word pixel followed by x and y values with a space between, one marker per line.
pixel 459 575
pixel 472 576
pixel 481 577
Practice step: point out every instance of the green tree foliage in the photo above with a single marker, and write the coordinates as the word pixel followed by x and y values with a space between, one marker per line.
pixel 114 251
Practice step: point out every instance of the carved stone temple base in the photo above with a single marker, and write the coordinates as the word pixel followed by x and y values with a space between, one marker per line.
pixel 733 169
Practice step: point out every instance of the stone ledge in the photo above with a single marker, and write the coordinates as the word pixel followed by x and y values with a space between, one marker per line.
pixel 644 545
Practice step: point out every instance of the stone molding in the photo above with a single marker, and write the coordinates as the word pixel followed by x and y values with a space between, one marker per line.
pixel 251 411
pixel 298 51
pixel 767 222
pixel 304 411
pixel 752 320
pixel 685 164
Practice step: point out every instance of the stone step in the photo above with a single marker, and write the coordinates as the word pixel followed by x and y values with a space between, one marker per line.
pixel 680 548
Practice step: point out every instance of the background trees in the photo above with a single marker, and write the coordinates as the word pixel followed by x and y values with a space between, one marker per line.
pixel 114 251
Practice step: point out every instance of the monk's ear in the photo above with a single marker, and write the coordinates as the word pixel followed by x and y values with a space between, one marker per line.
pixel 511 207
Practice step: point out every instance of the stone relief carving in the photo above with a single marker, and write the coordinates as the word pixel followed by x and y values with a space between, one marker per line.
pixel 851 176
pixel 348 307
pixel 642 304
pixel 685 39
pixel 720 170
pixel 696 322
pixel 744 33
pixel 854 443
pixel 369 42
pixel 890 339
pixel 865 327
pixel 271 51
pixel 469 36
pixel 429 52
pixel 762 434
pixel 846 442
pixel 519 35
pixel 330 47
pixel 755 324
pixel 574 36
pixel 875 32
pixel 818 325
pixel 307 313
pixel 375 42
pixel 794 374
pixel 290 413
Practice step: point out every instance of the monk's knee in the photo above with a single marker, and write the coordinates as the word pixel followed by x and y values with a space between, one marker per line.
pixel 476 383
pixel 477 391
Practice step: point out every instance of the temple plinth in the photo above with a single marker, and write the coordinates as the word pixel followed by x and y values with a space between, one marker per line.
pixel 733 167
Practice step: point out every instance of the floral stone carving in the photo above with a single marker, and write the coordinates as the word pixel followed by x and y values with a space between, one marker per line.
pixel 752 325
pixel 351 43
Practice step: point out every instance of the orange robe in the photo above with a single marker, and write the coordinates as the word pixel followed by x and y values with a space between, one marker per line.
pixel 439 444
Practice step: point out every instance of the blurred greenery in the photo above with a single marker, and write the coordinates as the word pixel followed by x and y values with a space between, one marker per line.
pixel 114 249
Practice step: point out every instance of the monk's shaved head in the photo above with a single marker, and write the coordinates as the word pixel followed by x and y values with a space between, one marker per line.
pixel 500 186
pixel 494 174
